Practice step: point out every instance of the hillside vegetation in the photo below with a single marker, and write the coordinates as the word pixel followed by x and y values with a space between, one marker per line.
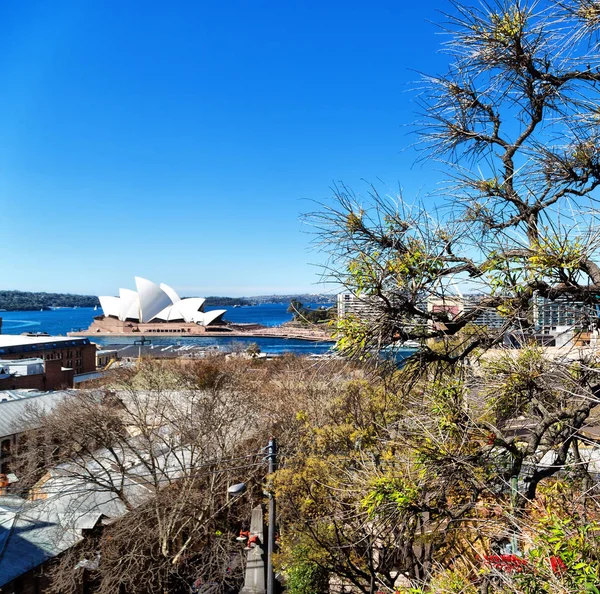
pixel 26 301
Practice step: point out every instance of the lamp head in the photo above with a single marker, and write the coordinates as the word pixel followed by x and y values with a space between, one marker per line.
pixel 237 489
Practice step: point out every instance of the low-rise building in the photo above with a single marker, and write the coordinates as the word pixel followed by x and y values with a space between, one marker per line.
pixel 14 406
pixel 34 374
pixel 73 500
pixel 106 357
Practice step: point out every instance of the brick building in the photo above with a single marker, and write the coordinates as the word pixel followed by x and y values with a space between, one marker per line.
pixel 36 374
pixel 78 354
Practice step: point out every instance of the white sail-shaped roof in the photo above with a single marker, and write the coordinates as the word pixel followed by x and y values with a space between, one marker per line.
pixel 171 313
pixel 152 299
pixel 184 309
pixel 129 308
pixel 157 302
pixel 173 296
pixel 190 307
pixel 209 317
pixel 110 306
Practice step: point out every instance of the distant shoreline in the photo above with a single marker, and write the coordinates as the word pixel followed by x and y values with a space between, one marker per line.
pixel 36 301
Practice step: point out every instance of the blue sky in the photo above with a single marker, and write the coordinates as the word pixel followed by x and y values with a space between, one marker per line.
pixel 181 141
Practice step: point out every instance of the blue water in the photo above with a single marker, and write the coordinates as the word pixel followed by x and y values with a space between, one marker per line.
pixel 60 321
pixel 231 343
pixel 267 314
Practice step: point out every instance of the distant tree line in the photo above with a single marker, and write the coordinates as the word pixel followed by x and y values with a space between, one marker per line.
pixel 27 301
pixel 226 301
pixel 31 301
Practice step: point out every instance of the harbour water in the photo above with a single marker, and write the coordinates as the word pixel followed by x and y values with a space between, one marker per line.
pixel 60 321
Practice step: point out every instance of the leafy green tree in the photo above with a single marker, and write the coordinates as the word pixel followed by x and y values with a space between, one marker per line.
pixel 295 307
pixel 306 315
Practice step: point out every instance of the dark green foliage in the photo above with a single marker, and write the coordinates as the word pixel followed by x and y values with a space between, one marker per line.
pixel 303 575
pixel 26 301
pixel 306 315
pixel 226 301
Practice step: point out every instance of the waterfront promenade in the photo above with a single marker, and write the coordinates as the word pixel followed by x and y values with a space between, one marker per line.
pixel 289 332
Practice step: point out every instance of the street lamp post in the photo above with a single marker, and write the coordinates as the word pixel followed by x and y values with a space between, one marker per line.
pixel 250 584
pixel 272 457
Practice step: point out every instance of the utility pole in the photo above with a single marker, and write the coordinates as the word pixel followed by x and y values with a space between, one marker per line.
pixel 272 456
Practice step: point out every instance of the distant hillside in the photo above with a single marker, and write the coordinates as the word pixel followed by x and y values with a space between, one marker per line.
pixel 303 297
pixel 29 301
pixel 26 301
pixel 226 301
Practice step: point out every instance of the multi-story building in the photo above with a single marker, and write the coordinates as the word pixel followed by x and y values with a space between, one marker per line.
pixel 456 305
pixel 362 307
pixel 488 316
pixel 552 315
pixel 78 354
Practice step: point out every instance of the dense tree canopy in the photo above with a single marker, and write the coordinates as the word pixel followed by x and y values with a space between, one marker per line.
pixel 28 301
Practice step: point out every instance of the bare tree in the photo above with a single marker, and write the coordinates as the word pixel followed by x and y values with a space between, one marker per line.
pixel 150 460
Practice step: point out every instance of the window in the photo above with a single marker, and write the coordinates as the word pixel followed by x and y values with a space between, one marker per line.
pixel 5 448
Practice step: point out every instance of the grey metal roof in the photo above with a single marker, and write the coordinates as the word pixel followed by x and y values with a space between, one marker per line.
pixel 12 412
pixel 84 491
pixel 31 532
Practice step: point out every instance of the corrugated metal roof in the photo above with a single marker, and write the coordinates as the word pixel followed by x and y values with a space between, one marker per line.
pixel 79 494
pixel 21 361
pixel 31 532
pixel 12 412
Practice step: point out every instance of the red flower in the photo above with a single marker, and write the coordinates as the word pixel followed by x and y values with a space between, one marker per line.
pixel 507 563
pixel 558 565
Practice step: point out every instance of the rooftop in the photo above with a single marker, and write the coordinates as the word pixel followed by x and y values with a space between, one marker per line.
pixel 29 361
pixel 31 532
pixel 11 344
pixel 8 340
pixel 12 411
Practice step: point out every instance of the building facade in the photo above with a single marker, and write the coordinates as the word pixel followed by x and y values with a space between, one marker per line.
pixel 35 373
pixel 361 307
pixel 78 354
pixel 551 315
pixel 456 305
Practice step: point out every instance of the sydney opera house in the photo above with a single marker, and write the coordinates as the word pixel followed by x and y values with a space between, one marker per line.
pixel 153 309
